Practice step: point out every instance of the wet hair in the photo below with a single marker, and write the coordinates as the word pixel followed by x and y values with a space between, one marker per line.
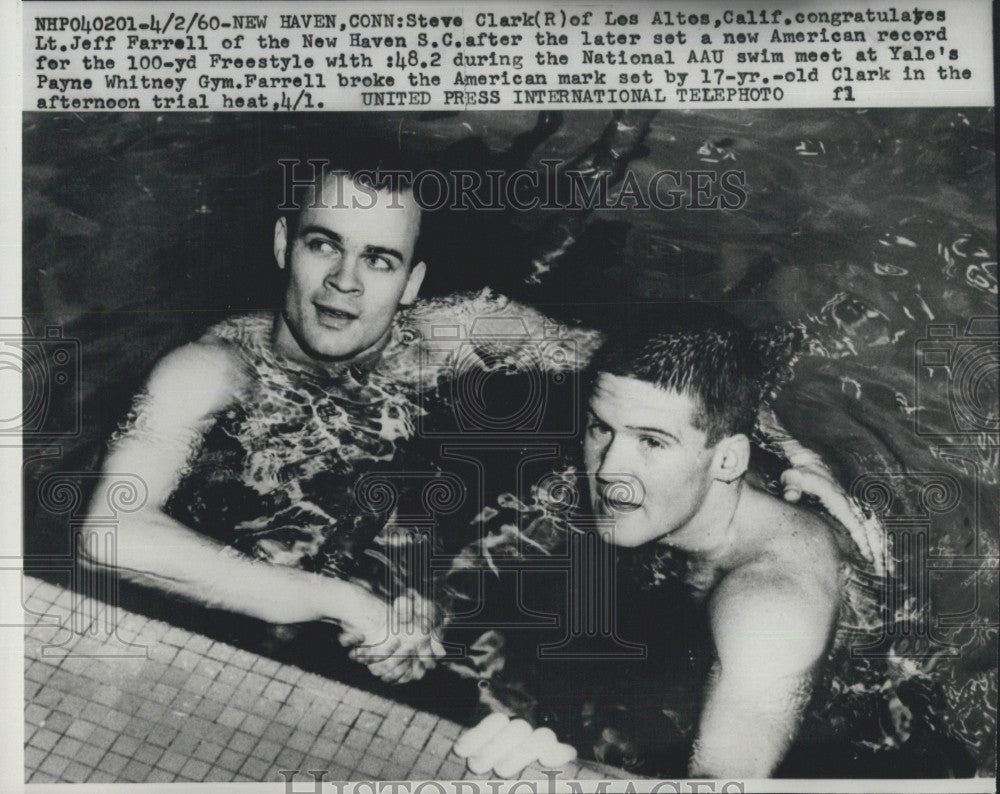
pixel 695 350
pixel 380 168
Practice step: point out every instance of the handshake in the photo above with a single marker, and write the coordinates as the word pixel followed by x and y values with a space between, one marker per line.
pixel 397 641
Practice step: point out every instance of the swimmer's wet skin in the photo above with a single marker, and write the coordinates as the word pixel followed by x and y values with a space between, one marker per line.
pixel 674 411
pixel 358 264
pixel 279 414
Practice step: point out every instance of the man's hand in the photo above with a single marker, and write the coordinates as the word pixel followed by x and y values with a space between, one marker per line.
pixel 815 478
pixel 397 643
pixel 507 746
pixel 809 474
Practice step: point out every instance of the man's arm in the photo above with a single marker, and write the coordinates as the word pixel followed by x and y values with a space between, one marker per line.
pixel 769 633
pixel 185 390
pixel 499 330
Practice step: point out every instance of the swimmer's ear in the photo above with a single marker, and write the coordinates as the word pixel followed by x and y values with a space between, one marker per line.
pixel 413 282
pixel 280 241
pixel 732 456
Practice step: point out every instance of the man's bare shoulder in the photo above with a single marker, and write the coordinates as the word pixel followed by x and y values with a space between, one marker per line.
pixel 789 540
pixel 184 391
pixel 197 379
pixel 784 592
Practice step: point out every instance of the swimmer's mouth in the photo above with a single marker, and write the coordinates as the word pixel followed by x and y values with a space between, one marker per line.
pixel 618 499
pixel 334 315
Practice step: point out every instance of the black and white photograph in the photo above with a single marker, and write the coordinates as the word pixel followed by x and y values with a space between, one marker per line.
pixel 633 441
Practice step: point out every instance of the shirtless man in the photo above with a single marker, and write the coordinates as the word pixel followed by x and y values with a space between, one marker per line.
pixel 309 398
pixel 350 266
pixel 674 411
pixel 294 391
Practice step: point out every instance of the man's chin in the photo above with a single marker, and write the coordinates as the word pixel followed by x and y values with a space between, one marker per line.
pixel 627 535
pixel 310 340
pixel 334 344
pixel 623 541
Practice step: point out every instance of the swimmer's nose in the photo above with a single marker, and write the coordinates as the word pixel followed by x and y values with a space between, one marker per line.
pixel 343 277
pixel 612 465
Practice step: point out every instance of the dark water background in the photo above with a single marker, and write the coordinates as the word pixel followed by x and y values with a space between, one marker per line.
pixel 864 227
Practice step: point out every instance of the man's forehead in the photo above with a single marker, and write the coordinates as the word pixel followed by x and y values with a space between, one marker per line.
pixel 638 403
pixel 355 212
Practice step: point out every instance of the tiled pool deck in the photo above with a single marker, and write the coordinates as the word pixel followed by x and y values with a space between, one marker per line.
pixel 183 707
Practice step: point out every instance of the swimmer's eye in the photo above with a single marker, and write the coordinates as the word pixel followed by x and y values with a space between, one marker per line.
pixel 318 245
pixel 596 428
pixel 379 263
